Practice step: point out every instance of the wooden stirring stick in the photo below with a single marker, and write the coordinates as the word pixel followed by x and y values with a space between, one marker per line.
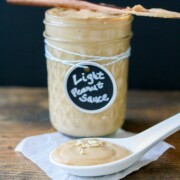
pixel 46 3
pixel 76 4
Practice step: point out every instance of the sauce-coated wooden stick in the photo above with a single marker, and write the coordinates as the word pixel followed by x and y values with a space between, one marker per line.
pixel 77 4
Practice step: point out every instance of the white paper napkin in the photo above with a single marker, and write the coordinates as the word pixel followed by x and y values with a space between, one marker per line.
pixel 37 149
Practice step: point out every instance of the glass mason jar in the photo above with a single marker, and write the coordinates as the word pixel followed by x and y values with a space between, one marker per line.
pixel 96 35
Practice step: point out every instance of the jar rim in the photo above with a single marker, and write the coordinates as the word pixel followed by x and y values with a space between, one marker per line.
pixel 115 19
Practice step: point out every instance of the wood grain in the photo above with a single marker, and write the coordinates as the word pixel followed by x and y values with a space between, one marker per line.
pixel 24 112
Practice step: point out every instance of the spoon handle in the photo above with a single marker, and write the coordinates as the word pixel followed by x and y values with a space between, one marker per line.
pixel 148 138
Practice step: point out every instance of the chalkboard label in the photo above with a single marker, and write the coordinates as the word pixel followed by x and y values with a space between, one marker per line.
pixel 91 89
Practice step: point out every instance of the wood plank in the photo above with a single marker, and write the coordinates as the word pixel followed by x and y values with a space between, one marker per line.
pixel 24 112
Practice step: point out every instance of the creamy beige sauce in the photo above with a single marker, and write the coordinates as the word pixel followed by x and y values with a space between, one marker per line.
pixel 88 152
pixel 82 13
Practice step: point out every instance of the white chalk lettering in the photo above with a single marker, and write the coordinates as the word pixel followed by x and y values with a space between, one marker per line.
pixel 73 92
pixel 78 92
pixel 76 82
pixel 89 78
pixel 100 75
pixel 100 85
pixel 95 99
pixel 84 78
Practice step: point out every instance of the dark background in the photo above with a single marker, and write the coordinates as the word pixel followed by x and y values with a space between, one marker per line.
pixel 154 64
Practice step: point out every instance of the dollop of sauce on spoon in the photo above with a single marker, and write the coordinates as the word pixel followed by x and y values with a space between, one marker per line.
pixel 87 152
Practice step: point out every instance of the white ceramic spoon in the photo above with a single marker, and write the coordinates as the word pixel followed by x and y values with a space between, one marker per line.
pixel 138 145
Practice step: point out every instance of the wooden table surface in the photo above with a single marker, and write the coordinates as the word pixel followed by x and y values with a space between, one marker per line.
pixel 24 112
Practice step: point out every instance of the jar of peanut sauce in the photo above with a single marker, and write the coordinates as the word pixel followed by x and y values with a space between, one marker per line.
pixel 90 33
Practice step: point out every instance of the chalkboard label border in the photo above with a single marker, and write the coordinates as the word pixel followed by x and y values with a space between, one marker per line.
pixel 110 76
